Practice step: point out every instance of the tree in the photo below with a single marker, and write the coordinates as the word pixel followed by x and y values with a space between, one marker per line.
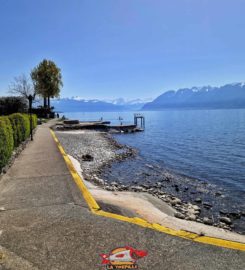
pixel 21 86
pixel 47 80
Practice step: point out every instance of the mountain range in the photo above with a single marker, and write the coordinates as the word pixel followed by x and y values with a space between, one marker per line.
pixel 206 97
pixel 77 104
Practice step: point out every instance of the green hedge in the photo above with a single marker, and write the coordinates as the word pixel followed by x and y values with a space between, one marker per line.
pixel 34 121
pixel 14 129
pixel 6 141
pixel 19 126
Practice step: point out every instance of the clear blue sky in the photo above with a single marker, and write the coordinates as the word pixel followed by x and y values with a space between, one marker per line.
pixel 125 48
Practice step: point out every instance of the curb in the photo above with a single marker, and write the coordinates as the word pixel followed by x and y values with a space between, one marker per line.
pixel 95 209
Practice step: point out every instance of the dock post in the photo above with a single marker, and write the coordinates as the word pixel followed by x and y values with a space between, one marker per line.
pixel 142 120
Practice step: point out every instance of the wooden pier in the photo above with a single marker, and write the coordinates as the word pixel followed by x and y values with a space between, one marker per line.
pixel 104 125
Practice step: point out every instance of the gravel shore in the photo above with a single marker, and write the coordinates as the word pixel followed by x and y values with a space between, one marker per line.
pixel 97 152
pixel 94 151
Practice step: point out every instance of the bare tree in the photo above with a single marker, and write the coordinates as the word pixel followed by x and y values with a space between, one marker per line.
pixel 22 86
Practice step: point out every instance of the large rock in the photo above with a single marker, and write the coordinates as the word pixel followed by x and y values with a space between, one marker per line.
pixel 179 215
pixel 225 220
pixel 207 221
pixel 175 201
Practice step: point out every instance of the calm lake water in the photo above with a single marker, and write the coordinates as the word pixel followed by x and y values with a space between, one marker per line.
pixel 208 145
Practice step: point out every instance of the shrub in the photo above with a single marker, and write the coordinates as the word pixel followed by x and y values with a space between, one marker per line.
pixel 6 141
pixel 16 120
pixel 27 126
pixel 9 105
pixel 34 121
pixel 20 126
pixel 14 129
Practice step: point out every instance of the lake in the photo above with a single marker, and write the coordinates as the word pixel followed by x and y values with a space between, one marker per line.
pixel 207 145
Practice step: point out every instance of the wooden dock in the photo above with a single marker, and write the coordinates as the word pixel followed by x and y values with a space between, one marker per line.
pixel 104 125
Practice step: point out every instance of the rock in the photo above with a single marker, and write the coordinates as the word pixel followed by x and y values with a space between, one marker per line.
pixel 87 157
pixel 207 205
pixel 235 215
pixel 159 184
pixel 179 215
pixel 114 184
pixel 223 226
pixel 98 180
pixel 191 211
pixel 138 189
pixel 176 188
pixel 225 220
pixel 123 188
pixel 223 212
pixel 161 192
pixel 145 186
pixel 207 221
pixel 191 217
pixel 196 208
pixel 218 193
pixel 198 200
pixel 175 201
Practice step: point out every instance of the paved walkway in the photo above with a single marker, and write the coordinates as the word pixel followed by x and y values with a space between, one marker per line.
pixel 46 224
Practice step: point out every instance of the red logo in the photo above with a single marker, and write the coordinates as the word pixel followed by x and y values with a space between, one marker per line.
pixel 122 258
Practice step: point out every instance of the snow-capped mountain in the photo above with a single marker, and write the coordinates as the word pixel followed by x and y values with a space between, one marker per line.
pixel 122 101
pixel 79 104
pixel 227 96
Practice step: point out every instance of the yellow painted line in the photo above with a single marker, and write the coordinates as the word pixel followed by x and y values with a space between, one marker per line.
pixel 86 194
pixel 95 209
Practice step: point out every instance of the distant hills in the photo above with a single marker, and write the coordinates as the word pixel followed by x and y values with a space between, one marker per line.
pixel 77 104
pixel 206 97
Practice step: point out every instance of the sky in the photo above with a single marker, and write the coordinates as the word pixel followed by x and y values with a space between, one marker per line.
pixel 124 48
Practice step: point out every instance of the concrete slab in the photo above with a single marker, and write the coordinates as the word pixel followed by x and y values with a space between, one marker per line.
pixel 69 237
pixel 33 192
pixel 33 169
